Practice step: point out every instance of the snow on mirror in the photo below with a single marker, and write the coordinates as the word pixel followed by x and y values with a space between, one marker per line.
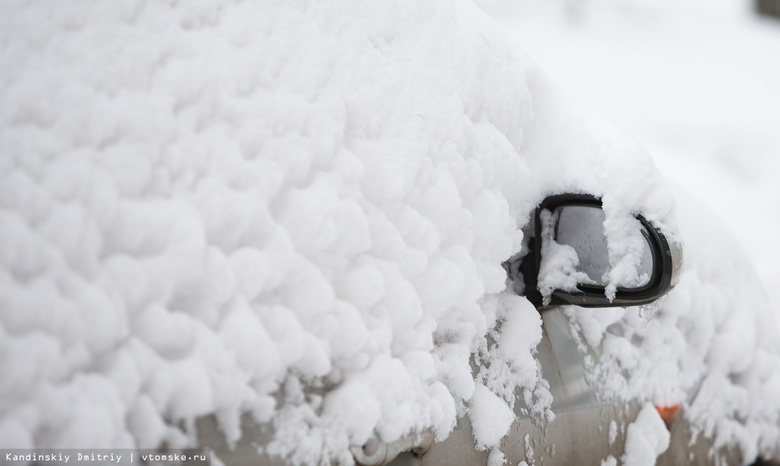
pixel 582 228
pixel 568 259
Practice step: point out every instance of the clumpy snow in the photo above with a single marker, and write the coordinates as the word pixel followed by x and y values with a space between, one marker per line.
pixel 300 211
pixel 507 362
pixel 496 458
pixel 560 268
pixel 646 438
pixel 711 346
pixel 699 88
pixel 491 417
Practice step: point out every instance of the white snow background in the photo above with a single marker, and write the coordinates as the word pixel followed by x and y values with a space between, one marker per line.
pixel 300 210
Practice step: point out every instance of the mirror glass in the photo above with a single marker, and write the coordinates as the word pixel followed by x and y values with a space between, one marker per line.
pixel 582 228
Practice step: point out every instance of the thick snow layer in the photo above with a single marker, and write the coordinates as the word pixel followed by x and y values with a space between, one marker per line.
pixel 297 210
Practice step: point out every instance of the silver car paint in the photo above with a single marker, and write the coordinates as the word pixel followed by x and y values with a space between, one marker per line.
pixel 578 435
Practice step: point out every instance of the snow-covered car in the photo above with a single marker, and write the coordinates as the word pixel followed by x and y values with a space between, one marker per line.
pixel 280 229
pixel 587 426
pixel 566 262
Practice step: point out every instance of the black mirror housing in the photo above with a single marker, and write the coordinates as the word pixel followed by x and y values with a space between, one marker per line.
pixel 666 263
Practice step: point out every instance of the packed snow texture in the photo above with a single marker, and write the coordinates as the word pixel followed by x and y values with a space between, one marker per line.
pixel 646 438
pixel 492 419
pixel 496 458
pixel 297 210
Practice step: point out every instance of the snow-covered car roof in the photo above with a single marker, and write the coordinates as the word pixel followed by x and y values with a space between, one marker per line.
pixel 297 210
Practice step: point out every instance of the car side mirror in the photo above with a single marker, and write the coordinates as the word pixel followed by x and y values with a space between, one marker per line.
pixel 568 259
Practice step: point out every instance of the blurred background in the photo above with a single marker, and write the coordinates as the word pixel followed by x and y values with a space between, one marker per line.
pixel 696 81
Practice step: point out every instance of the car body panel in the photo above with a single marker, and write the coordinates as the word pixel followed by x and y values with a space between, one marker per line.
pixel 579 434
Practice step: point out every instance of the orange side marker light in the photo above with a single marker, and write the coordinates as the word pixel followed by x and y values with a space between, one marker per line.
pixel 669 414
